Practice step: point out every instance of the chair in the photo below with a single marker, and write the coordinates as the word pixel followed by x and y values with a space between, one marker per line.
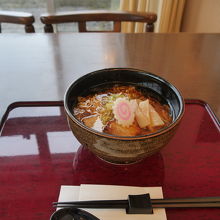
pixel 26 19
pixel 81 17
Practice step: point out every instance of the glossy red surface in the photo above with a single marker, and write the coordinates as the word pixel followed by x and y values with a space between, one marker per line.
pixel 38 153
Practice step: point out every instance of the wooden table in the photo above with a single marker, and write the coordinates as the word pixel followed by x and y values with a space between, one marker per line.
pixel 41 66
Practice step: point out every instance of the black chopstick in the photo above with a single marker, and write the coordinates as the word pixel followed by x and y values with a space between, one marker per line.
pixel 188 205
pixel 168 205
pixel 94 204
pixel 187 200
pixel 156 203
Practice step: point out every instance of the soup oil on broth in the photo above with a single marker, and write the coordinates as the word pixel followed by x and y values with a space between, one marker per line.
pixel 123 110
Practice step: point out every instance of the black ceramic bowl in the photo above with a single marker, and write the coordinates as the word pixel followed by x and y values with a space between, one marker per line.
pixel 72 214
pixel 118 149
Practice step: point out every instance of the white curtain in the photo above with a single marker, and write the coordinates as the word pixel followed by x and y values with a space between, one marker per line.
pixel 169 13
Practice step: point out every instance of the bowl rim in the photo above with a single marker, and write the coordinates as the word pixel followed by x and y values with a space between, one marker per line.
pixel 139 137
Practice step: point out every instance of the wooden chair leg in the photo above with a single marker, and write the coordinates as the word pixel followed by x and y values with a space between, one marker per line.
pixel 29 28
pixel 48 28
pixel 117 26
pixel 82 26
pixel 149 27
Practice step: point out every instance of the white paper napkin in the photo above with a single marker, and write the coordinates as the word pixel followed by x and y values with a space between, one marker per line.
pixel 69 193
pixel 103 192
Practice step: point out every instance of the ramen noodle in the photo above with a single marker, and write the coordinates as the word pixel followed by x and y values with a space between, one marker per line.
pixel 122 111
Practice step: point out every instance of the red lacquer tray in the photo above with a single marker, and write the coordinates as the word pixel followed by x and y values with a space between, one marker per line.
pixel 38 153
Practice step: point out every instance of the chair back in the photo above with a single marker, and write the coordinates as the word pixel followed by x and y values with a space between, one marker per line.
pixel 23 18
pixel 82 17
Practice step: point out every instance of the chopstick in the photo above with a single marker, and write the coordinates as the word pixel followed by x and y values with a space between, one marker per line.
pixel 169 205
pixel 93 204
pixel 187 200
pixel 198 202
pixel 188 205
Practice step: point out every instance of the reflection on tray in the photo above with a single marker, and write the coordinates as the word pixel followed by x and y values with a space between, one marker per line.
pixel 38 154
pixel 132 174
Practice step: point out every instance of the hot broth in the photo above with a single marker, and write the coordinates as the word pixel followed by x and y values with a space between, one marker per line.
pixel 123 110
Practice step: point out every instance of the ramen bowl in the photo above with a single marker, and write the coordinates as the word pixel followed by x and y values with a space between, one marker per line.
pixel 123 149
